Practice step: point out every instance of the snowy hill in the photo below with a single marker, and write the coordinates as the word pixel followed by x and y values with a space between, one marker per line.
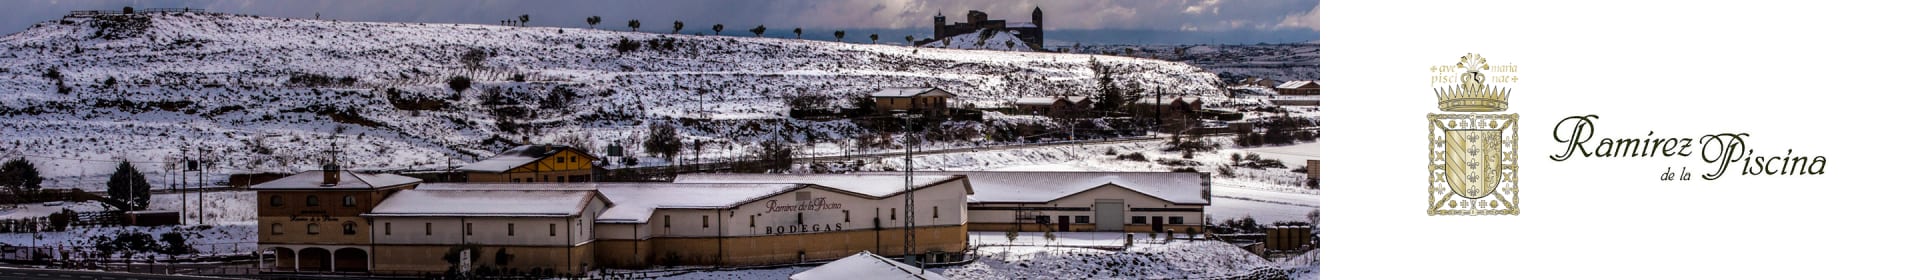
pixel 265 93
pixel 983 40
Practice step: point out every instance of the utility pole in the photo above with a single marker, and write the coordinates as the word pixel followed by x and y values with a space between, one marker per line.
pixel 906 122
pixel 182 188
pixel 202 193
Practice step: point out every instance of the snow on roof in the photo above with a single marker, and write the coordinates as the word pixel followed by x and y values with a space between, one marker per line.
pixel 907 92
pixel 348 180
pixel 1036 101
pixel 871 185
pixel 1297 84
pixel 865 265
pixel 1044 186
pixel 1160 101
pixel 508 186
pixel 635 202
pixel 516 157
pixel 1024 24
pixel 549 203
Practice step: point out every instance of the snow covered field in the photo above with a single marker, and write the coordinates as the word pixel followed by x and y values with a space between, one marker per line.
pixel 230 227
pixel 79 94
pixel 1030 256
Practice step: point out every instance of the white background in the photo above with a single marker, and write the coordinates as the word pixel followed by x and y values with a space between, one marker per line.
pixel 1819 77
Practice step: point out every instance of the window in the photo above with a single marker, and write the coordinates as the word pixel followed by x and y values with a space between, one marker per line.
pixel 550 231
pixel 846 216
pixel 936 212
pixel 703 221
pixel 277 230
pixel 387 228
pixel 509 229
pixel 803 196
pixel 1080 219
pixel 313 200
pixel 347 229
pixel 1139 219
pixel 893 213
pixel 1178 220
pixel 469 229
pixel 313 229
pixel 1043 219
pixel 429 228
pixel 347 201
pixel 752 222
pixel 276 201
pixel 516 180
pixel 668 222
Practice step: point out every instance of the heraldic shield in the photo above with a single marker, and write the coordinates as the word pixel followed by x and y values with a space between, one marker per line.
pixel 1473 164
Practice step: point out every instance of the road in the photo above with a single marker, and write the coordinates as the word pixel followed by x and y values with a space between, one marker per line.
pixel 11 273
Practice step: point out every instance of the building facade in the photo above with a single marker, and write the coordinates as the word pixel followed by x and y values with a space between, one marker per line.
pixel 312 221
pixel 531 164
pixel 501 227
pixel 1088 201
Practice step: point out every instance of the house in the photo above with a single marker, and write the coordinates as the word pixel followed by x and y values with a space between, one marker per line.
pixel 1170 113
pixel 1052 106
pixel 930 101
pixel 1087 201
pixel 1298 88
pixel 313 221
pixel 533 163
pixel 504 226
pixel 811 217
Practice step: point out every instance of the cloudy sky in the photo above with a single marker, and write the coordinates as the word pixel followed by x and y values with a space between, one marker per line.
pixel 1094 21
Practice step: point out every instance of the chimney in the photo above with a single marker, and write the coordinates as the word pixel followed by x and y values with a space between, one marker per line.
pixel 330 175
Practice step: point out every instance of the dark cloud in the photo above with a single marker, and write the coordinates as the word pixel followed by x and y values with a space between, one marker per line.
pixel 1297 20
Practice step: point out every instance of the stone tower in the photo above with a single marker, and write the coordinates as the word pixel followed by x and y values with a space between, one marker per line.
pixel 939 25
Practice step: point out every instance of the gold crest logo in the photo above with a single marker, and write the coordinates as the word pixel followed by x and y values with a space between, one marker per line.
pixel 1473 164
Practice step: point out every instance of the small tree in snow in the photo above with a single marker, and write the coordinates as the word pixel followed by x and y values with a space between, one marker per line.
pixel 593 21
pixel 796 32
pixel 717 28
pixel 633 25
pixel 663 140
pixel 873 38
pixel 757 30
pixel 677 25
pixel 839 35
pixel 523 20
pixel 460 84
pixel 128 188
pixel 20 178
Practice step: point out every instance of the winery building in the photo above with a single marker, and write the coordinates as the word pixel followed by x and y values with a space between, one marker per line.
pixel 397 226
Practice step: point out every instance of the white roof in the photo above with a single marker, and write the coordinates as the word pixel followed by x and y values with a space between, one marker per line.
pixel 1296 84
pixel 513 158
pixel 1045 186
pixel 908 92
pixel 635 202
pixel 865 265
pixel 870 184
pixel 1036 101
pixel 348 180
pixel 444 202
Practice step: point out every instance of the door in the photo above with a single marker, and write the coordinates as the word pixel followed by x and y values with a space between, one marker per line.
pixel 1108 214
pixel 1063 223
pixel 1156 224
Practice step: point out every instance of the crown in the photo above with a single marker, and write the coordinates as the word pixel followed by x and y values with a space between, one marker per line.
pixel 1472 94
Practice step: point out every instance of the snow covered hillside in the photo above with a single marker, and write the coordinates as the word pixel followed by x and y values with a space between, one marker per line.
pixel 984 40
pixel 265 93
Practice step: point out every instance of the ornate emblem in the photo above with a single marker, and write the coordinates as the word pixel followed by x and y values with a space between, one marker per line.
pixel 1473 165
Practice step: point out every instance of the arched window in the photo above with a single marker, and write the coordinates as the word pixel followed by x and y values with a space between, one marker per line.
pixel 313 229
pixel 347 228
pixel 277 201
pixel 313 200
pixel 347 201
